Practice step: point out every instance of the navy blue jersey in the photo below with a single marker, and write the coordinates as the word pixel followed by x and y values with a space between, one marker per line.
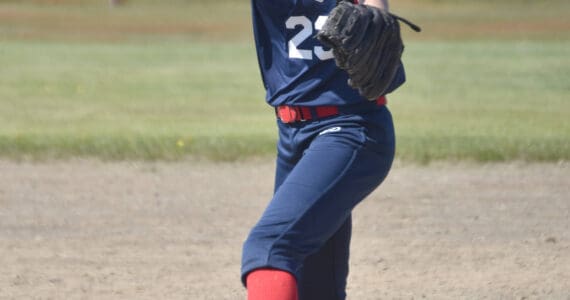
pixel 296 68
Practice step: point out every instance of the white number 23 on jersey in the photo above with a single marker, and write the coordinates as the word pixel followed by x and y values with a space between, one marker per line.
pixel 305 33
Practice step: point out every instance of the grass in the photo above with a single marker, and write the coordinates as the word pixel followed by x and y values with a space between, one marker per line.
pixel 132 101
pixel 487 101
pixel 138 88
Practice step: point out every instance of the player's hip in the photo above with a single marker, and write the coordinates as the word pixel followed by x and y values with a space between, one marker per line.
pixel 368 131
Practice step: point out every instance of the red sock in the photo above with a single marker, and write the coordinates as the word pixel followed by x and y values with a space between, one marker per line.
pixel 269 284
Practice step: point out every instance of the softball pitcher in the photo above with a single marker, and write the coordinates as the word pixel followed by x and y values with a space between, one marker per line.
pixel 326 67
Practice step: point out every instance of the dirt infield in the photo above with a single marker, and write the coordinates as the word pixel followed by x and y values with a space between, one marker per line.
pixel 92 230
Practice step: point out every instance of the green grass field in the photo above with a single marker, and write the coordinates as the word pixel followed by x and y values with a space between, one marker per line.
pixel 149 81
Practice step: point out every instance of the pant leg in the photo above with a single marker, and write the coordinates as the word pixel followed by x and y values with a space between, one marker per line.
pixel 324 274
pixel 314 201
pixel 282 170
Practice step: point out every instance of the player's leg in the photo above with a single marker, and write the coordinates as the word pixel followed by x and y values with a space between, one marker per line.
pixel 324 273
pixel 336 172
pixel 313 202
pixel 270 283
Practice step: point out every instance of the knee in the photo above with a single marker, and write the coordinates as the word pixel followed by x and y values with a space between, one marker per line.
pixel 265 251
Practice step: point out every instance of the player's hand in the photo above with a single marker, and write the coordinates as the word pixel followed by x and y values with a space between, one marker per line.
pixel 367 44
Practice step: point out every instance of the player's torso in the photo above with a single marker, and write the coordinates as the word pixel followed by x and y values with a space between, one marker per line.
pixel 296 68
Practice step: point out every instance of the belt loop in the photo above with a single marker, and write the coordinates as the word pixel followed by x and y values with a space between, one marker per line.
pixel 305 113
pixel 300 114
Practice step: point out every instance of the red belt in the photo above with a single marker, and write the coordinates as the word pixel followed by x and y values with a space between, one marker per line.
pixel 291 114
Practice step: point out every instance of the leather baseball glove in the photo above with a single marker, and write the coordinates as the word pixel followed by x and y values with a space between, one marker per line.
pixel 366 43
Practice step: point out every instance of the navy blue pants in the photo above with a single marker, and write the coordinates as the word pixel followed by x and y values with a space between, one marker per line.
pixel 324 169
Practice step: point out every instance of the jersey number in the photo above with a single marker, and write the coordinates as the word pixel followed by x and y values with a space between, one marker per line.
pixel 305 33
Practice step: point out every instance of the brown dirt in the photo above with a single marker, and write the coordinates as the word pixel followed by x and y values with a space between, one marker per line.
pixel 25 22
pixel 92 230
pixel 440 20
